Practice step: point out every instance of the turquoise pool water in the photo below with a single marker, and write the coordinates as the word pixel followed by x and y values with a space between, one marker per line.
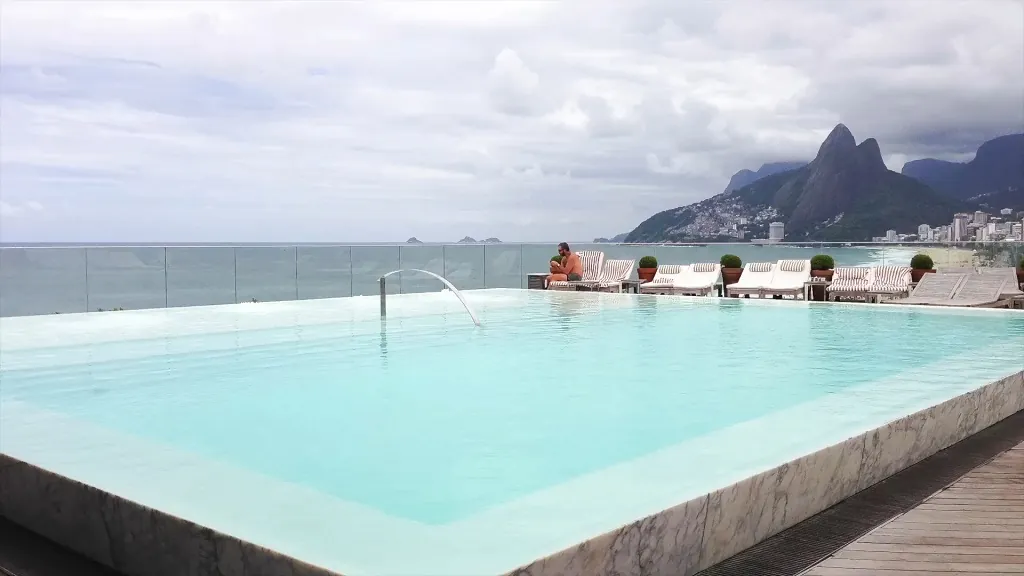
pixel 431 419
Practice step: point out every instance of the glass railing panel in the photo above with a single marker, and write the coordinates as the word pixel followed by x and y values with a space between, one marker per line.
pixel 684 254
pixel 623 252
pixel 503 266
pixel 1000 254
pixel 536 258
pixel 464 266
pixel 42 281
pixel 1018 258
pixel 422 257
pixel 126 278
pixel 941 254
pixel 369 263
pixel 324 271
pixel 265 273
pixel 200 276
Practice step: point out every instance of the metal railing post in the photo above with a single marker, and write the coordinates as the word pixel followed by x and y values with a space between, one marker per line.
pixel 383 297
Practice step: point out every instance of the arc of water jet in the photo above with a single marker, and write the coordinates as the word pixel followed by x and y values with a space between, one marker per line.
pixel 446 283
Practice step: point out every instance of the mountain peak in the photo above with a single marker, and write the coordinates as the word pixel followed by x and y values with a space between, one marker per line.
pixel 745 177
pixel 871 154
pixel 997 166
pixel 846 193
pixel 840 141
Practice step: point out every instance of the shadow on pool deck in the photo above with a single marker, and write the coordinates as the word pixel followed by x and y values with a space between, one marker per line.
pixel 24 553
pixel 789 553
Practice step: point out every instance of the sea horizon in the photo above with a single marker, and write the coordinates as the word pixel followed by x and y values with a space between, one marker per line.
pixel 132 244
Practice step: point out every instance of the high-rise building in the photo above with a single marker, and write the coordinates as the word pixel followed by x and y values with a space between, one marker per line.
pixel 983 234
pixel 776 231
pixel 924 232
pixel 981 217
pixel 890 236
pixel 958 230
pixel 1017 232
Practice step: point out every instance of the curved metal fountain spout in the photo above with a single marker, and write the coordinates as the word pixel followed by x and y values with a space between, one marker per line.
pixel 383 292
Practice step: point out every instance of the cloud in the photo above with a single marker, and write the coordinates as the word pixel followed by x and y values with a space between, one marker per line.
pixel 364 121
pixel 16 210
pixel 512 84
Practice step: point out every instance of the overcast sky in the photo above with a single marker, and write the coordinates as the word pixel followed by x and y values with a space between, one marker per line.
pixel 376 121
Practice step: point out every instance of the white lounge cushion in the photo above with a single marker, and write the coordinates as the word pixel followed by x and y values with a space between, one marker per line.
pixel 790 275
pixel 701 276
pixel 756 276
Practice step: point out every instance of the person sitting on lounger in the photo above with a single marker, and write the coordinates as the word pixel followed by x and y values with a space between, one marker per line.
pixel 570 268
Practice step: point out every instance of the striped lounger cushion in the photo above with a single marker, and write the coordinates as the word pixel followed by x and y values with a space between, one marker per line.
pixel 591 260
pixel 792 265
pixel 663 276
pixel 890 279
pixel 614 272
pixel 703 267
pixel 850 279
pixel 759 267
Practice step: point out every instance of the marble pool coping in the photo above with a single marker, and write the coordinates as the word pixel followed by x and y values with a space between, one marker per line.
pixel 682 539
pixel 85 493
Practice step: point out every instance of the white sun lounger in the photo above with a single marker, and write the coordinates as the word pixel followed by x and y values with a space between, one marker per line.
pixel 893 281
pixel 755 278
pixel 698 279
pixel 850 282
pixel 695 280
pixel 933 289
pixel 979 290
pixel 663 281
pixel 1011 289
pixel 592 261
pixel 613 272
pixel 789 278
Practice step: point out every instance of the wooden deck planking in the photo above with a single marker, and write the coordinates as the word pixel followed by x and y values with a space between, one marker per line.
pixel 973 526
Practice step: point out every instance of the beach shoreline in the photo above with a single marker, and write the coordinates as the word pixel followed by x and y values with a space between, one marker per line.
pixel 950 257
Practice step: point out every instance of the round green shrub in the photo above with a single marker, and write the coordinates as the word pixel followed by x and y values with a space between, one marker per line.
pixel 1021 263
pixel 922 262
pixel 823 262
pixel 648 262
pixel 556 258
pixel 731 261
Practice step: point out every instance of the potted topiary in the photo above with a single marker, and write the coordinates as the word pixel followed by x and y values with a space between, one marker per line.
pixel 920 265
pixel 647 268
pixel 732 269
pixel 823 266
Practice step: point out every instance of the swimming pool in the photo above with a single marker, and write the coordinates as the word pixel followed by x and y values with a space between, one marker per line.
pixel 428 445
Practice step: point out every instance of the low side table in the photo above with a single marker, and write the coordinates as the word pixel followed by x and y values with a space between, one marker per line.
pixel 535 280
pixel 810 289
pixel 631 285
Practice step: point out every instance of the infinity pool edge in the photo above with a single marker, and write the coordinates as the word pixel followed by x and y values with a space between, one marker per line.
pixel 681 540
